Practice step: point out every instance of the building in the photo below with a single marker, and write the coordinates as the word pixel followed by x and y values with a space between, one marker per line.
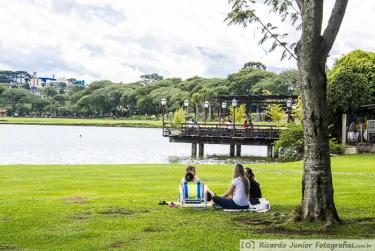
pixel 3 112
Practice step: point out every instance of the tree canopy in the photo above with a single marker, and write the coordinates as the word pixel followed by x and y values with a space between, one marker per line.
pixel 351 82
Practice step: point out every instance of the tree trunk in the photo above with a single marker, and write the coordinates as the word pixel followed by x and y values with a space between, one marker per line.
pixel 317 188
pixel 196 111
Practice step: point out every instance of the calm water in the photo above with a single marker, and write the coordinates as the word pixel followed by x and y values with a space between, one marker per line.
pixel 34 144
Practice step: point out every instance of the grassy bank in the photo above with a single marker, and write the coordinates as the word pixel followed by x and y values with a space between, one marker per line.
pixel 94 122
pixel 82 122
pixel 101 207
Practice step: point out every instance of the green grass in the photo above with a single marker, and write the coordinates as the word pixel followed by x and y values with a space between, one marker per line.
pixel 81 122
pixel 94 122
pixel 102 207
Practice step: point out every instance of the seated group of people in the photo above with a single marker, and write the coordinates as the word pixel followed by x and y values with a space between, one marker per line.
pixel 243 191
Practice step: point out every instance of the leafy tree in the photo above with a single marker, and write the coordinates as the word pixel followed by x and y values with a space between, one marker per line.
pixel 276 113
pixel 60 99
pixel 290 143
pixel 49 91
pixel 311 52
pixel 237 113
pixel 16 97
pixel 38 104
pixel 241 82
pixel 254 65
pixel 151 78
pixel 297 111
pixel 285 83
pixel 351 82
pixel 178 117
pixel 196 100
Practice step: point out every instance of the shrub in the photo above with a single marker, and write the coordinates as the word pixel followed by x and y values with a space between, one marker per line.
pixel 178 117
pixel 335 147
pixel 290 143
pixel 276 113
pixel 240 113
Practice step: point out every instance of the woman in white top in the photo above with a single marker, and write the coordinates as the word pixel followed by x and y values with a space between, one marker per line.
pixel 237 196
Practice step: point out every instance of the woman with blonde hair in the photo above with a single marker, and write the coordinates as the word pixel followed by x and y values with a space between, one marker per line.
pixel 237 195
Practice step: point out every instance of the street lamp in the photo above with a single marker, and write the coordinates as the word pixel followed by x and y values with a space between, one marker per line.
pixel 206 106
pixel 223 107
pixel 163 102
pixel 186 105
pixel 289 108
pixel 234 104
pixel 291 89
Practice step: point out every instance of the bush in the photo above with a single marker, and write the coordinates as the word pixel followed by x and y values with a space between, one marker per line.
pixel 290 143
pixel 240 113
pixel 335 147
pixel 178 117
pixel 276 113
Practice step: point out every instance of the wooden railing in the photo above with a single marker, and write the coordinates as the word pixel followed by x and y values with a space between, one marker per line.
pixel 221 131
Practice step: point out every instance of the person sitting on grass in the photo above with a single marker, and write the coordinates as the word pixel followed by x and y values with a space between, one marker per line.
pixel 190 173
pixel 237 196
pixel 190 176
pixel 255 192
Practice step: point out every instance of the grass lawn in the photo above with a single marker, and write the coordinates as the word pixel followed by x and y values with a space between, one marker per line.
pixel 102 207
pixel 81 122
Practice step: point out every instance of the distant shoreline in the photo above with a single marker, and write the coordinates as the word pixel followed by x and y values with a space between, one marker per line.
pixel 81 122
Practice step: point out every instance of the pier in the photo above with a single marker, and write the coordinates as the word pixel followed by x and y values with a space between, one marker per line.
pixel 200 134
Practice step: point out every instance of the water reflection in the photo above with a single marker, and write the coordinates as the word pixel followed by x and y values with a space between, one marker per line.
pixel 36 144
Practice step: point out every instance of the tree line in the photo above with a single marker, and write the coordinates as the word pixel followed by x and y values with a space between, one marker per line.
pixel 106 98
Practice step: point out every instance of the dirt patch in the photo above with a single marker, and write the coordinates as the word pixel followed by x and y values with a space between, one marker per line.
pixel 117 244
pixel 116 212
pixel 76 199
pixel 274 219
pixel 6 219
pixel 7 247
pixel 152 230
pixel 366 220
pixel 250 221
pixel 287 231
pixel 81 216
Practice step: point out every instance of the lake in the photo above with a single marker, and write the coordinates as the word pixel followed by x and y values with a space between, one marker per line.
pixel 43 144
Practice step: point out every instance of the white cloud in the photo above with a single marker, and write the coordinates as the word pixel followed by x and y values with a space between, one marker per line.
pixel 121 40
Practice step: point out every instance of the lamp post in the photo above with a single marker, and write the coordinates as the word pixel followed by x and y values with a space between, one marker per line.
pixel 206 106
pixel 291 89
pixel 186 105
pixel 163 103
pixel 223 107
pixel 234 104
pixel 289 108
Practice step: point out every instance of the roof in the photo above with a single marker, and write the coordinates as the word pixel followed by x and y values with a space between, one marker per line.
pixel 268 99
pixel 3 109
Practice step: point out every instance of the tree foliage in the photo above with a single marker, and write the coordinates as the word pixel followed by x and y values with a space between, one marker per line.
pixel 237 113
pixel 276 113
pixel 351 82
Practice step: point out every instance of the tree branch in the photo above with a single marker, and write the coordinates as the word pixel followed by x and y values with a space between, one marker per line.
pixel 334 23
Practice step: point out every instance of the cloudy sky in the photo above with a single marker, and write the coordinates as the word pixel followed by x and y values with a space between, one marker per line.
pixel 121 40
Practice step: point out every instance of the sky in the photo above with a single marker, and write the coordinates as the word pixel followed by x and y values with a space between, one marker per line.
pixel 121 40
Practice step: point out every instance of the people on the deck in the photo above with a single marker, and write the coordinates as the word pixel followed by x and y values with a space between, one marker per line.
pixel 246 125
pixel 255 192
pixel 221 122
pixel 237 196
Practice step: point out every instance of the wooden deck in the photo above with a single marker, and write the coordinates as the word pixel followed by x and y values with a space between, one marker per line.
pixel 221 134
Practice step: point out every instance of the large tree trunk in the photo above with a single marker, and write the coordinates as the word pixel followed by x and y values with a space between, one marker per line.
pixel 317 188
